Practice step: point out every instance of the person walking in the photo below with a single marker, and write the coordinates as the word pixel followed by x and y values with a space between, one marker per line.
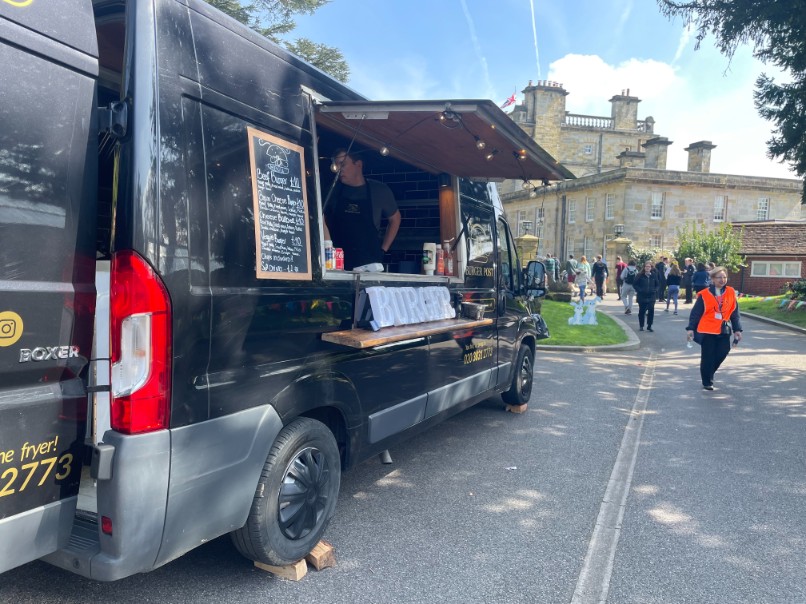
pixel 599 275
pixel 688 273
pixel 570 268
pixel 551 267
pixel 620 266
pixel 627 290
pixel 673 286
pixel 582 279
pixel 713 319
pixel 660 272
pixel 584 266
pixel 646 290
pixel 700 278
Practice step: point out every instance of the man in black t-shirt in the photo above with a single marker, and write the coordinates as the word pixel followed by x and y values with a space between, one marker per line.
pixel 353 214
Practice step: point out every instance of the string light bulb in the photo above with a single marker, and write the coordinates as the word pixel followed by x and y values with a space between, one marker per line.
pixel 384 150
pixel 480 144
pixel 491 155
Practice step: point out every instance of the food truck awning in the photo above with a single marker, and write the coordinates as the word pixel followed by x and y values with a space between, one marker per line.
pixel 466 138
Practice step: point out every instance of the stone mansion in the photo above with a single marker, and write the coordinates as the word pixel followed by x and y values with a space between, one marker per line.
pixel 623 191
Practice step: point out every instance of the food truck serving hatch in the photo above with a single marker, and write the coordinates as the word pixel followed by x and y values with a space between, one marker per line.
pixel 467 138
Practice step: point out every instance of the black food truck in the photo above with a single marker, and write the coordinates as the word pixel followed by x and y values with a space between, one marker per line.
pixel 177 359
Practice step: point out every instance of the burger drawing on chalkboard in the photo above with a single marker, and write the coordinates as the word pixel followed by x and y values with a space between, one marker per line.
pixel 278 157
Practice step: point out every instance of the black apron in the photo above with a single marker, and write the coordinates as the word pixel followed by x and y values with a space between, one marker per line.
pixel 354 230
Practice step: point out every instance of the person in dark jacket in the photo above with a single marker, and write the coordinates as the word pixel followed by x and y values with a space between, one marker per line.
pixel 700 278
pixel 688 273
pixel 646 289
pixel 673 286
pixel 660 272
pixel 714 316
pixel 599 275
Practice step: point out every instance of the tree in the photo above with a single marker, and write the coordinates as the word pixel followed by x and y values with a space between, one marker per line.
pixel 275 19
pixel 776 29
pixel 642 254
pixel 720 246
pixel 326 58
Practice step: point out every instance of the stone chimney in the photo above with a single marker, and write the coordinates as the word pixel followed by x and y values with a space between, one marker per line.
pixel 631 159
pixel 624 111
pixel 656 149
pixel 699 156
pixel 544 114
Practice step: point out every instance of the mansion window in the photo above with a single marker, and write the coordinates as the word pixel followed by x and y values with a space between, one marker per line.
pixel 572 211
pixel 610 206
pixel 786 270
pixel 763 209
pixel 656 241
pixel 590 207
pixel 539 218
pixel 656 212
pixel 588 251
pixel 524 224
pixel 720 207
pixel 587 149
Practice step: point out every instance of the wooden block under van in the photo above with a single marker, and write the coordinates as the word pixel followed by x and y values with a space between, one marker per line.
pixel 517 408
pixel 292 572
pixel 323 555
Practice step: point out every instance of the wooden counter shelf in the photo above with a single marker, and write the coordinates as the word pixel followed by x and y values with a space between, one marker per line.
pixel 366 338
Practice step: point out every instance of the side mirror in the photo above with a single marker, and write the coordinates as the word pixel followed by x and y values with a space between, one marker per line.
pixel 536 285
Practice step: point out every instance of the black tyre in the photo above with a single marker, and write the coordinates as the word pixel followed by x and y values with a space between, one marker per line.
pixel 521 388
pixel 295 497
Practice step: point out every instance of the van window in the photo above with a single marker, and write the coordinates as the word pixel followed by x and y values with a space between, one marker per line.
pixel 509 272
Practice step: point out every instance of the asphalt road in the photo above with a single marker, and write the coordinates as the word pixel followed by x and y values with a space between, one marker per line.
pixel 624 481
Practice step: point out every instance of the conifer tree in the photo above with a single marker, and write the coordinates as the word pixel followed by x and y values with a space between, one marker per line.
pixel 274 19
pixel 776 30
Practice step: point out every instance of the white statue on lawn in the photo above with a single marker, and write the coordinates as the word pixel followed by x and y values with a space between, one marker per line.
pixel 584 312
pixel 578 310
pixel 589 318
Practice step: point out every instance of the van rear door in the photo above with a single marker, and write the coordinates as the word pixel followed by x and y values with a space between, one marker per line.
pixel 48 159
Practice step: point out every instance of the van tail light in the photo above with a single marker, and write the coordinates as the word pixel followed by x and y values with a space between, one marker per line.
pixel 140 334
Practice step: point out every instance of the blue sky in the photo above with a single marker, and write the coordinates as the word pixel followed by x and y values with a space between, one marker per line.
pixel 418 49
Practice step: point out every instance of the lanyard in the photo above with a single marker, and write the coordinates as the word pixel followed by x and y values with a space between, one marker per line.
pixel 719 300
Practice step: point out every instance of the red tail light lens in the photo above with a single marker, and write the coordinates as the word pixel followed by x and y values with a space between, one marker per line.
pixel 140 325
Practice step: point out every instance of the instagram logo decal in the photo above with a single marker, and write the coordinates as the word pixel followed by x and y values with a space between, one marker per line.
pixel 10 328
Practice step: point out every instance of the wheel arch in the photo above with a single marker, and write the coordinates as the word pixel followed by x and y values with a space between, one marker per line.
pixel 329 398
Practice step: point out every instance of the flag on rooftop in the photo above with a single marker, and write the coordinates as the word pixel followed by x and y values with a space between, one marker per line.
pixel 509 101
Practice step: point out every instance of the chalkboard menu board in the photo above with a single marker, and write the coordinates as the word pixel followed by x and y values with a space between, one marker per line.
pixel 281 207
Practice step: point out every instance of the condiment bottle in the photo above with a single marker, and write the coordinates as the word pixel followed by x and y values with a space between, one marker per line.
pixel 448 258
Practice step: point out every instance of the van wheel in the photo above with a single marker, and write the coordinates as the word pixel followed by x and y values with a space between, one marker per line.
pixel 521 388
pixel 295 497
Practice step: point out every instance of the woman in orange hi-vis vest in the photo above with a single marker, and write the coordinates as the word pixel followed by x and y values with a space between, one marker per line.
pixel 713 321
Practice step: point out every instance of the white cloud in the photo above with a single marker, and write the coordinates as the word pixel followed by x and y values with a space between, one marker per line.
pixel 693 100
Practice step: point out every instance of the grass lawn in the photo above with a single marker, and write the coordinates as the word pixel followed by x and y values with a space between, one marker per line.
pixel 770 308
pixel 557 314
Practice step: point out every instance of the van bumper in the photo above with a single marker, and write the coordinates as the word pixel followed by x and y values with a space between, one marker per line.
pixel 134 500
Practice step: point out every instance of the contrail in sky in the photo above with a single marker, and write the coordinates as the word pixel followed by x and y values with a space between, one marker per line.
pixel 477 46
pixel 534 35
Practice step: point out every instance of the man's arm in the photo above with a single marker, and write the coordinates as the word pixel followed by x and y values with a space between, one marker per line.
pixel 392 228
